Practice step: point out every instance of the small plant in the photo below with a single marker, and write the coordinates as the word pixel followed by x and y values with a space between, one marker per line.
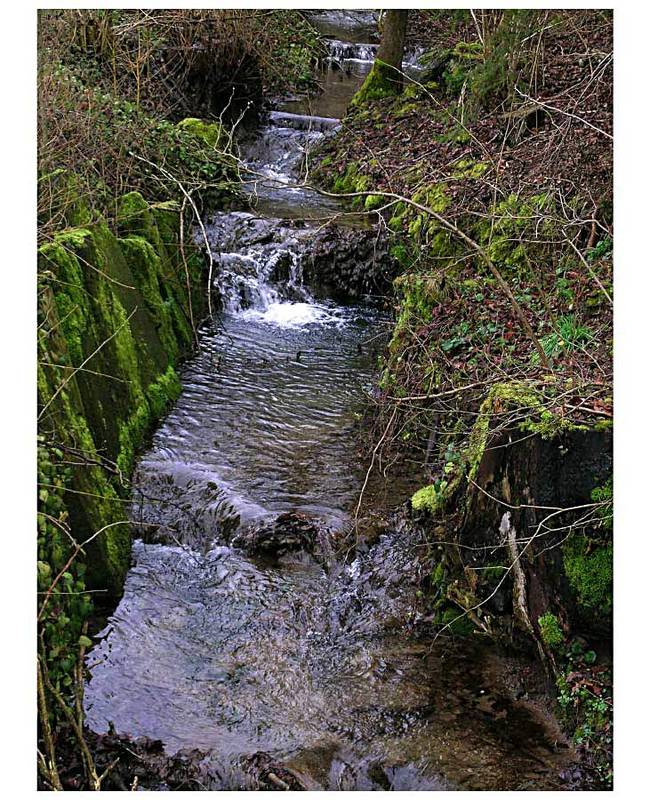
pixel 458 339
pixel 585 700
pixel 550 631
pixel 601 250
pixel 566 338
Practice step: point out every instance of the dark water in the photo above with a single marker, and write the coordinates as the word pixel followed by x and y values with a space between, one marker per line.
pixel 265 423
pixel 322 665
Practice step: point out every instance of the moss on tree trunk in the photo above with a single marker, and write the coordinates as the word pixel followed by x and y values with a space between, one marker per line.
pixel 385 78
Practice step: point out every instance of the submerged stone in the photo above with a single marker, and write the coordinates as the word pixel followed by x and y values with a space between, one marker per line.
pixel 288 533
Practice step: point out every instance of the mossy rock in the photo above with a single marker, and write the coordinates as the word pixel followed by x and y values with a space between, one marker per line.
pixel 118 309
pixel 210 133
pixel 430 498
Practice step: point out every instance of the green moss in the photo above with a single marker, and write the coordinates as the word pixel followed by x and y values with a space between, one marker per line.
pixel 603 425
pixel 433 196
pixel 605 494
pixel 72 238
pixel 550 631
pixel 146 265
pixel 589 569
pixel 430 498
pixel 501 396
pixel 459 624
pixel 419 295
pixel 131 205
pixel 438 575
pixel 469 170
pixel 472 51
pixel 119 303
pixel 59 260
pixel 405 110
pixel 352 180
pixel 502 235
pixel 163 392
pixel 109 553
pixel 536 418
pixel 208 132
pixel 373 201
pixel 132 433
pixel 134 217
pixel 403 254
pixel 421 226
pixel 159 397
pixel 382 81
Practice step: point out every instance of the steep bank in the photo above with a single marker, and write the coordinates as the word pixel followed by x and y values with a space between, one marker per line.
pixel 498 376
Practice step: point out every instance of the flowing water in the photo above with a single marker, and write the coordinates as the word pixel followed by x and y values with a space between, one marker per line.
pixel 320 663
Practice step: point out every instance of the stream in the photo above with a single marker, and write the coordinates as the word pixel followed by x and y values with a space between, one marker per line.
pixel 312 658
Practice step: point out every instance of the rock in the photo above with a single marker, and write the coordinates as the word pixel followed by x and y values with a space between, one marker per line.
pixel 287 533
pixel 348 263
pixel 271 775
pixel 208 132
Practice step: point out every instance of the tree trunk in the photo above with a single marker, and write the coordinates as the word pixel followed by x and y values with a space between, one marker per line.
pixel 391 49
pixel 385 78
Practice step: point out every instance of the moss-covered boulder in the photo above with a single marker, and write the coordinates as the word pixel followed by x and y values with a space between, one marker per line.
pixel 210 133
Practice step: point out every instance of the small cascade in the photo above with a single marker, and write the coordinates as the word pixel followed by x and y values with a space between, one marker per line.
pixel 340 52
pixel 259 262
pixel 279 148
pixel 260 271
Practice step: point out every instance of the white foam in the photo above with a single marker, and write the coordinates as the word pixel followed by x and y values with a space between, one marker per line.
pixel 291 315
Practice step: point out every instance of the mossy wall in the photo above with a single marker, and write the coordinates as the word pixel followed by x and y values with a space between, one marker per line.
pixel 114 321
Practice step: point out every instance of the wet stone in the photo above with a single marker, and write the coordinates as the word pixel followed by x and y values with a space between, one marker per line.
pixel 287 533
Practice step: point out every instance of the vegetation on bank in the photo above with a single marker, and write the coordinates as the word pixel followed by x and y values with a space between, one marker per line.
pixel 135 121
pixel 113 84
pixel 492 173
